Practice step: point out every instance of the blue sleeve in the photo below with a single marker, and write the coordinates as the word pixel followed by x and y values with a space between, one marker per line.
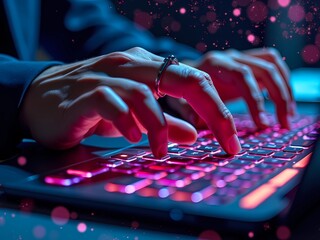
pixel 86 28
pixel 15 79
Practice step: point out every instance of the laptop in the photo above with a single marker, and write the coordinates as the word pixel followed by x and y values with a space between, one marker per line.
pixel 271 181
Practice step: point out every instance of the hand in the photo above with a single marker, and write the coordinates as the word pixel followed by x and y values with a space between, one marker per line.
pixel 243 75
pixel 113 95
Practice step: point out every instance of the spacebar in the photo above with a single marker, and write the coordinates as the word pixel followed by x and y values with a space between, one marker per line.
pixel 260 194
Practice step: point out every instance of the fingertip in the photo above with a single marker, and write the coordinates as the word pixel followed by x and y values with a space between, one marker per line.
pixel 233 145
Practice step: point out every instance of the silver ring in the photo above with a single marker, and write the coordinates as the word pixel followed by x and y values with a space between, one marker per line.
pixel 171 59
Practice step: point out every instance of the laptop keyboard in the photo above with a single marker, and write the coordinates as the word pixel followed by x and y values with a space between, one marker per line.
pixel 203 172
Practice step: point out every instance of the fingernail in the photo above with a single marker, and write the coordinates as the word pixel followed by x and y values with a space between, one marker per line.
pixel 264 119
pixel 233 144
pixel 135 135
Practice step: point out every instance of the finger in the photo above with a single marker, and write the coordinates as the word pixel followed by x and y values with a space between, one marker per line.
pixel 197 88
pixel 180 131
pixel 87 110
pixel 146 110
pixel 273 56
pixel 273 81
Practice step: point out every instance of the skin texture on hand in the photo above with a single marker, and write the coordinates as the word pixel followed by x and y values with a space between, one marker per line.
pixel 244 75
pixel 113 95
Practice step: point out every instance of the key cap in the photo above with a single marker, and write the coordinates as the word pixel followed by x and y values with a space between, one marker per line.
pixel 201 166
pixel 153 158
pixel 284 155
pixel 209 148
pixel 272 146
pixel 274 162
pixel 175 180
pixel 302 143
pixel 195 154
pixel 126 184
pixel 292 150
pixel 179 160
pixel 194 192
pixel 216 161
pixel 110 162
pixel 62 179
pixel 165 167
pixel 253 158
pixel 176 150
pixel 243 163
pixel 126 168
pixel 135 151
pixel 261 152
pixel 155 190
pixel 87 169
pixel 127 157
pixel 249 146
pixel 193 174
pixel 150 174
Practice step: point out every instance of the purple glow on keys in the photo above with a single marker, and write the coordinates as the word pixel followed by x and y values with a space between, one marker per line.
pixel 62 179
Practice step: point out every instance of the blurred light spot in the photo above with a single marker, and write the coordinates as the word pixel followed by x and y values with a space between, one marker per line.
pixel 211 16
pixel 213 27
pixel 237 12
pixel 143 19
pixel 273 19
pixel 2 221
pixel 251 38
pixel 283 233
pixel 284 3
pixel 251 234
pixel 82 227
pixel 243 3
pixel 209 234
pixel 310 54
pixel 73 215
pixel 296 13
pixel 22 160
pixel 182 10
pixel 175 26
pixel 202 47
pixel 135 224
pixel 163 193
pixel 60 215
pixel 196 197
pixel 257 11
pixel 39 232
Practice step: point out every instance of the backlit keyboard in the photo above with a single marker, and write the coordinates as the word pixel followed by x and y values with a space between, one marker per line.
pixel 203 171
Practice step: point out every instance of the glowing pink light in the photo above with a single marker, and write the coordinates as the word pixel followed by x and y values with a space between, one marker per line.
pixel 237 12
pixel 284 3
pixel 296 13
pixel 22 160
pixel 310 54
pixel 251 38
pixel 60 215
pixel 283 233
pixel 82 227
pixel 257 11
pixel 273 19
pixel 182 10
pixel 251 234
pixel 209 234
pixel 39 232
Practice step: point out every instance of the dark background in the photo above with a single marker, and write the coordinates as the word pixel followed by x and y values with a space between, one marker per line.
pixel 293 28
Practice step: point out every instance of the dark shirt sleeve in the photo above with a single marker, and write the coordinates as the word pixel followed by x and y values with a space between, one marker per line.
pixel 14 81
pixel 86 28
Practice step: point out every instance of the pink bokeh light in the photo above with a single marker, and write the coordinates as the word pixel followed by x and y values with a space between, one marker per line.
pixel 284 3
pixel 60 215
pixel 237 12
pixel 82 227
pixel 257 11
pixel 296 13
pixel 39 232
pixel 182 10
pixel 310 54
pixel 251 38
pixel 283 233
pixel 273 19
pixel 22 160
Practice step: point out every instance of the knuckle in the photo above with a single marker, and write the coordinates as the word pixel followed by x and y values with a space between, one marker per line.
pixel 273 53
pixel 141 90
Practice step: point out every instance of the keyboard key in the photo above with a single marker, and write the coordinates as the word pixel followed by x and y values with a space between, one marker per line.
pixel 165 167
pixel 193 174
pixel 274 162
pixel 194 192
pixel 272 146
pixel 201 166
pixel 150 174
pixel 292 150
pixel 139 162
pixel 284 155
pixel 242 163
pixel 126 184
pixel 261 152
pixel 253 158
pixel 155 190
pixel 176 150
pixel 88 169
pixel 127 157
pixel 62 179
pixel 134 151
pixel 126 168
pixel 194 154
pixel 216 161
pixel 153 158
pixel 209 148
pixel 192 146
pixel 110 162
pixel 175 180
pixel 249 146
pixel 302 143
pixel 179 160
